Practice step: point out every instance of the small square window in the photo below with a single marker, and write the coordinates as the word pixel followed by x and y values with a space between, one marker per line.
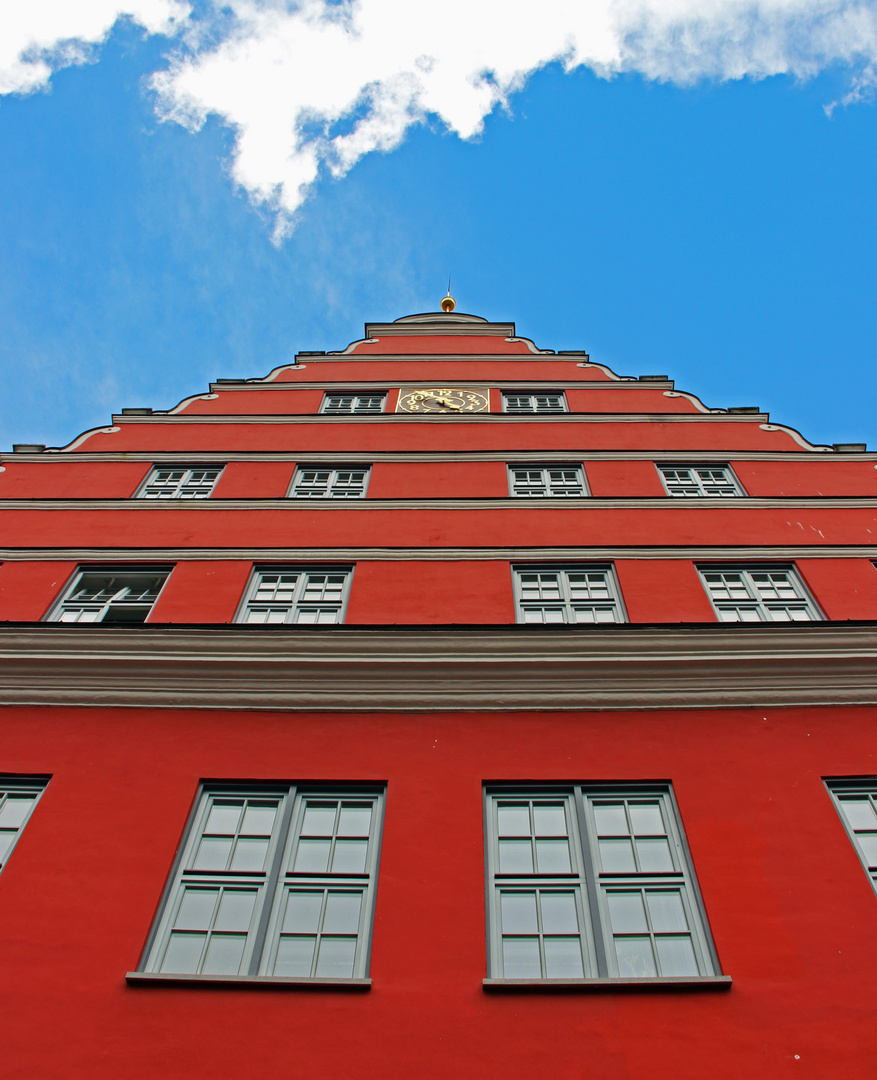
pixel 700 481
pixel 121 596
pixel 343 404
pixel 591 882
pixel 274 881
pixel 547 402
pixel 573 594
pixel 180 482
pixel 305 595
pixel 18 797
pixel 758 594
pixel 547 481
pixel 329 482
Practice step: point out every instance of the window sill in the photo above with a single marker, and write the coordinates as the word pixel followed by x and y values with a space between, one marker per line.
pixel 241 982
pixel 700 983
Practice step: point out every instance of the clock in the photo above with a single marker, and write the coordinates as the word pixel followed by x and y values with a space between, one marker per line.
pixel 447 401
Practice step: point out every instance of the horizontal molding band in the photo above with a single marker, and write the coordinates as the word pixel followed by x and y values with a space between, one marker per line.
pixel 242 982
pixel 717 553
pixel 576 986
pixel 583 503
pixel 235 419
pixel 571 383
pixel 416 669
pixel 426 456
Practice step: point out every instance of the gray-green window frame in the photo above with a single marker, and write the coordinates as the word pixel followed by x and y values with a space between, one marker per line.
pixel 292 603
pixel 547 481
pixel 704 481
pixel 651 951
pixel 572 602
pixel 854 799
pixel 335 482
pixel 183 482
pixel 19 796
pixel 358 403
pixel 126 597
pixel 272 883
pixel 757 601
pixel 539 402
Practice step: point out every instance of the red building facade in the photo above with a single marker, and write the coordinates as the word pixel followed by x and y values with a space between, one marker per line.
pixel 440 706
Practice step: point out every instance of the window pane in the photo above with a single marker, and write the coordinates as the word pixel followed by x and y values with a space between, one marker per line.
pixel 676 956
pixel 302 915
pixel 666 911
pixel 318 821
pixel 635 959
pixel 559 914
pixel 212 854
pixel 224 954
pixel 626 912
pixel 515 857
pixel 552 856
pixel 616 856
pixel 295 955
pixel 196 909
pixel 859 814
pixel 654 856
pixel 349 857
pixel 249 856
pixel 236 909
pixel 335 960
pixel 355 821
pixel 549 820
pixel 342 913
pixel 518 913
pixel 520 958
pixel 312 857
pixel 646 819
pixel 610 819
pixel 514 820
pixel 563 958
pixel 15 810
pixel 868 842
pixel 183 953
pixel 6 839
pixel 224 818
pixel 258 821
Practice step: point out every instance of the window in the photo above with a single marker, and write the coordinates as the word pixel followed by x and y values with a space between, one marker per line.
pixel 180 482
pixel 338 404
pixel 700 481
pixel 759 594
pixel 547 481
pixel 297 595
pixel 551 402
pixel 18 797
pixel 856 802
pixel 592 882
pixel 272 881
pixel 112 596
pixel 575 594
pixel 329 483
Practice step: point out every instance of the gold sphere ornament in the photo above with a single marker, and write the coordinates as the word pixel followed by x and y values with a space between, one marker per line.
pixel 448 304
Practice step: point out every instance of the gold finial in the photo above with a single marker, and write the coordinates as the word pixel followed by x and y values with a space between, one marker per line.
pixel 448 304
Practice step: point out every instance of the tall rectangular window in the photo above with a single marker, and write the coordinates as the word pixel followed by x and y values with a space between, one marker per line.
pixel 758 594
pixel 573 594
pixel 552 401
pixel 591 882
pixel 296 595
pixel 180 482
pixel 277 881
pixel 121 597
pixel 856 802
pixel 326 482
pixel 341 404
pixel 700 481
pixel 18 797
pixel 547 481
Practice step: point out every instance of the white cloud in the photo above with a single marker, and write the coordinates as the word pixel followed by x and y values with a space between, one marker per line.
pixel 317 84
pixel 39 36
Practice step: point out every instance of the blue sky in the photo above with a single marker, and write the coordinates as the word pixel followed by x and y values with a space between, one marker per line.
pixel 721 232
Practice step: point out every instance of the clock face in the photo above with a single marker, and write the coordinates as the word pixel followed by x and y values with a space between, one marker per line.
pixel 447 401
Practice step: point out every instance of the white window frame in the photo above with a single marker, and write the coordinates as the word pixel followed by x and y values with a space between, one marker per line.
pixel 758 603
pixel 534 406
pixel 186 486
pixel 116 597
pixel 19 796
pixel 336 485
pixel 572 844
pixel 326 408
pixel 862 790
pixel 548 484
pixel 699 486
pixel 290 599
pixel 570 597
pixel 255 938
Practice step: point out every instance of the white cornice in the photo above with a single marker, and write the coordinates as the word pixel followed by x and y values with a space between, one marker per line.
pixel 240 419
pixel 263 555
pixel 440 669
